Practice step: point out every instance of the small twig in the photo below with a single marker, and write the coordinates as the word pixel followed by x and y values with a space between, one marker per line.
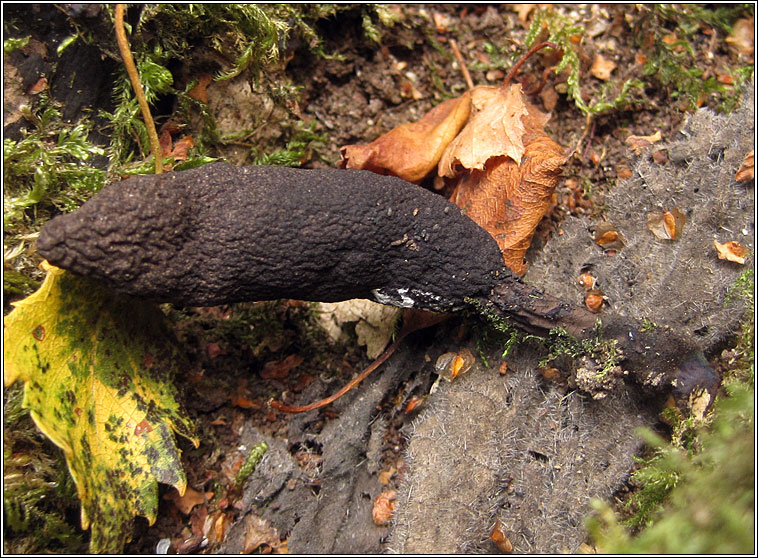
pixel 464 69
pixel 350 385
pixel 413 320
pixel 589 140
pixel 529 53
pixel 131 69
pixel 587 127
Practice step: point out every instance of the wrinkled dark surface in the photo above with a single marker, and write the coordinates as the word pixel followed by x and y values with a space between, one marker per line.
pixel 222 234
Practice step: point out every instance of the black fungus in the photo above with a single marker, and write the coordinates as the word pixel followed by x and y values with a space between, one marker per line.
pixel 220 234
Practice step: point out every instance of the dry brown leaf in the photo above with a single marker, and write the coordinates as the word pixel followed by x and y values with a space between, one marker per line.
pixel 199 92
pixel 638 142
pixel 747 168
pixel 509 200
pixel 593 300
pixel 280 369
pixel 668 225
pixel 185 503
pixel 732 251
pixel 259 532
pixel 602 67
pixel 495 128
pixel 586 280
pixel 411 151
pixel 523 11
pixel 181 148
pixel 743 36
pixel 39 86
pixel 384 507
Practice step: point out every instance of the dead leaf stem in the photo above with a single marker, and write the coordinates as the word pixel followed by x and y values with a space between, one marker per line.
pixel 524 58
pixel 131 69
pixel 464 69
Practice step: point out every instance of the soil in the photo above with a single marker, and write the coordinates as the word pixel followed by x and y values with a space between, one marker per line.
pixel 324 470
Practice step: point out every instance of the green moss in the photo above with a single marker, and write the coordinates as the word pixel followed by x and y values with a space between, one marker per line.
pixel 560 30
pixel 49 165
pixel 557 344
pixel 250 463
pixel 693 502
pixel 9 45
pixel 695 492
pixel 742 370
pixel 672 63
pixel 38 493
pixel 297 151
pixel 648 325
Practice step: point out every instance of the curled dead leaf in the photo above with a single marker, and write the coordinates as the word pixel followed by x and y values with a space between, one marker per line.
pixel 731 251
pixel 586 280
pixel 602 67
pixel 181 148
pixel 593 300
pixel 509 200
pixel 414 403
pixel 39 86
pixel 215 527
pixel 624 172
pixel 452 365
pixel 499 537
pixel 747 168
pixel 608 237
pixel 413 150
pixel 668 225
pixel 259 533
pixel 384 507
pixel 551 374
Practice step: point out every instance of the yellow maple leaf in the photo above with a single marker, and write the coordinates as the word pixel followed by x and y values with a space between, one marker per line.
pixel 98 370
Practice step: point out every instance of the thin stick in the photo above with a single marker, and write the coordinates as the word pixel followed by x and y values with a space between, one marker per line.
pixel 464 69
pixel 588 126
pixel 350 385
pixel 131 69
pixel 529 53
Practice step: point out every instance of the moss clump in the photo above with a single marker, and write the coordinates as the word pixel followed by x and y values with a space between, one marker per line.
pixel 49 164
pixel 699 503
pixel 695 492
pixel 40 506
pixel 666 36
pixel 549 25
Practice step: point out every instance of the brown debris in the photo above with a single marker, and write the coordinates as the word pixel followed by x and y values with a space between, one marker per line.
pixel 731 251
pixel 747 168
